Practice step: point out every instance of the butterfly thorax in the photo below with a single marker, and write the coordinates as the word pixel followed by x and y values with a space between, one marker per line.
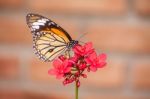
pixel 72 43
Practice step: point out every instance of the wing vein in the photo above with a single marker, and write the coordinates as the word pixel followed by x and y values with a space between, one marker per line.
pixel 54 39
pixel 57 39
pixel 55 53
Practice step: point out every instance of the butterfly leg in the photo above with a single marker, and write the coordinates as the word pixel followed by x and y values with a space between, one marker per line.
pixel 67 53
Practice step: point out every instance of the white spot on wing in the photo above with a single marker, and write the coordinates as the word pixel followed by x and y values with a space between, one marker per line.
pixel 53 23
pixel 36 27
pixel 38 23
pixel 42 20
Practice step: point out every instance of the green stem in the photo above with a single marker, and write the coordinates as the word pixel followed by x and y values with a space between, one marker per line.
pixel 76 90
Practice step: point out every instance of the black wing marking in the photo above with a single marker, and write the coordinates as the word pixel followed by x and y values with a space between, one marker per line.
pixel 47 49
pixel 39 23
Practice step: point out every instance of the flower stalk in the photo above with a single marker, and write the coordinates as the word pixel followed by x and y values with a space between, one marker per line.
pixel 76 90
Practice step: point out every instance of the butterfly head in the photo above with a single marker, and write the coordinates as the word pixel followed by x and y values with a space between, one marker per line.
pixel 72 43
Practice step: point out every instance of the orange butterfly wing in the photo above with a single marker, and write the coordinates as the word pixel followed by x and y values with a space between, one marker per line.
pixel 49 39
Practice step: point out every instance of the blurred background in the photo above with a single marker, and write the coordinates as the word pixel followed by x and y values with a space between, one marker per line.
pixel 120 28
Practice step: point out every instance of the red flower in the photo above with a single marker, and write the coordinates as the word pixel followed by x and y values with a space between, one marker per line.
pixel 73 68
pixel 83 50
pixel 82 66
pixel 73 60
pixel 96 61
pixel 60 68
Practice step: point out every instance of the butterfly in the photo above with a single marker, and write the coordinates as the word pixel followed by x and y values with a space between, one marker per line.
pixel 49 39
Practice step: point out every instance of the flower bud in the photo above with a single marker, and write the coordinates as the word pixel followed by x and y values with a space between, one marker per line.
pixel 84 75
pixel 62 57
pixel 64 82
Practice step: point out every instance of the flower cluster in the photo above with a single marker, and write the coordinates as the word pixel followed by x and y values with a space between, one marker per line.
pixel 71 68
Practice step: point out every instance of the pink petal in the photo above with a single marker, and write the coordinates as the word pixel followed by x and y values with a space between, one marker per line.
pixel 102 56
pixel 92 68
pixel 102 64
pixel 88 60
pixel 52 72
pixel 65 63
pixel 68 69
pixel 88 46
pixel 62 57
pixel 77 49
pixel 93 56
pixel 73 59
pixel 57 63
pixel 59 76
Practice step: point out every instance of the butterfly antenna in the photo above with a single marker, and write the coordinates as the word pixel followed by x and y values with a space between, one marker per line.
pixel 97 50
pixel 82 36
pixel 81 42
